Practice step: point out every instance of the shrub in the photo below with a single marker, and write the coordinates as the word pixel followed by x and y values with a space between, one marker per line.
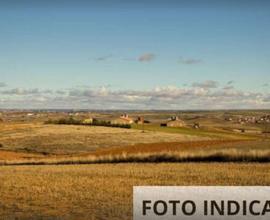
pixel 266 128
pixel 50 121
pixel 1 145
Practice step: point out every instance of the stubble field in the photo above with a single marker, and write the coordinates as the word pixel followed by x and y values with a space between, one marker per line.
pixel 104 191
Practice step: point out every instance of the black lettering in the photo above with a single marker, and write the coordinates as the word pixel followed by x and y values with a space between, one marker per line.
pixel 174 204
pixel 163 209
pixel 236 209
pixel 251 210
pixel 215 206
pixel 266 207
pixel 244 207
pixel 205 208
pixel 145 202
pixel 184 207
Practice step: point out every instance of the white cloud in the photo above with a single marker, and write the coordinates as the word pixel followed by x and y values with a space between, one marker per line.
pixel 147 57
pixel 103 58
pixel 2 84
pixel 20 91
pixel 209 84
pixel 189 61
pixel 198 96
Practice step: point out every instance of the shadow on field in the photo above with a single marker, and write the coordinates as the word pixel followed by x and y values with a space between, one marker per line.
pixel 230 155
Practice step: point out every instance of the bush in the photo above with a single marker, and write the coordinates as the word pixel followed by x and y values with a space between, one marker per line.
pixel 266 128
pixel 50 121
pixel 1 145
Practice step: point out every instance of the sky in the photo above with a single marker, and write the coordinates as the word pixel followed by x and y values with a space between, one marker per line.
pixel 135 54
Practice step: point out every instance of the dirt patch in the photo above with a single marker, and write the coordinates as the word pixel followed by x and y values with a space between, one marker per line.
pixel 9 155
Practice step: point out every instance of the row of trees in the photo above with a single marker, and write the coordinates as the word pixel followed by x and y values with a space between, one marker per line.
pixel 95 122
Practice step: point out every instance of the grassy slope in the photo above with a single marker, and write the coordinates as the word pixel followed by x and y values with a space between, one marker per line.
pixel 69 139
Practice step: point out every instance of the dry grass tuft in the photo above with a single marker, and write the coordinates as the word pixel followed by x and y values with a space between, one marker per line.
pixel 230 155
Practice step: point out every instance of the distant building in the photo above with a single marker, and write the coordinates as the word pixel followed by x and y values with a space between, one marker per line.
pixel 174 122
pixel 196 126
pixel 228 119
pixel 140 120
pixel 123 119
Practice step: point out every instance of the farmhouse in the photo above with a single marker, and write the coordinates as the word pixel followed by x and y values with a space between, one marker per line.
pixel 140 120
pixel 123 120
pixel 196 126
pixel 174 122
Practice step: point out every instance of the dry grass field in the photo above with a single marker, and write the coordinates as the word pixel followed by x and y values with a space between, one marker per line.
pixel 87 172
pixel 24 138
pixel 70 139
pixel 104 191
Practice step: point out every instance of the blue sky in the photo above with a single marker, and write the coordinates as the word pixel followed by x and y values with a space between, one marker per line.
pixel 135 48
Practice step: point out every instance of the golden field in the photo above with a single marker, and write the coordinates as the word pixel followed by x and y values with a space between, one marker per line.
pixel 70 139
pixel 104 191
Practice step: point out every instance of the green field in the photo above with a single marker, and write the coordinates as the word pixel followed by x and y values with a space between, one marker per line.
pixel 212 133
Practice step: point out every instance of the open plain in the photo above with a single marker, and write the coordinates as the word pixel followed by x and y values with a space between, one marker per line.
pixel 82 171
